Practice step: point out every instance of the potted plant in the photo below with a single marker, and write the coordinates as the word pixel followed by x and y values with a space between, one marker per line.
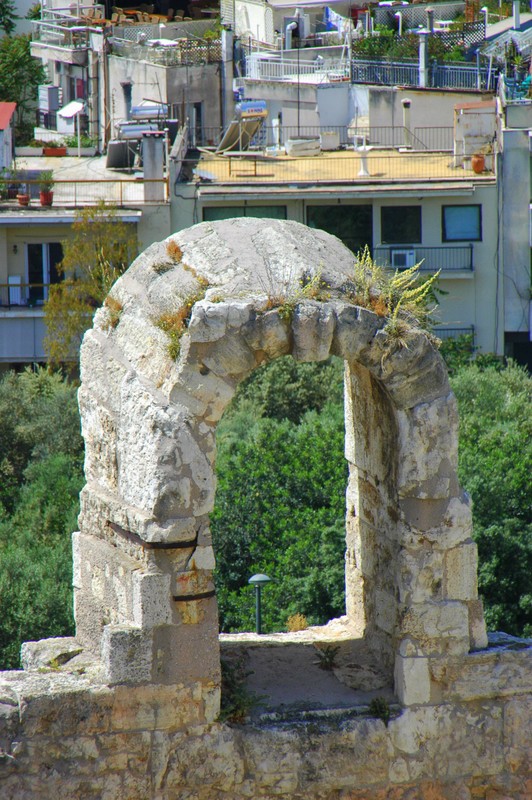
pixel 46 184
pixel 54 148
pixel 4 179
pixel 13 185
pixel 23 196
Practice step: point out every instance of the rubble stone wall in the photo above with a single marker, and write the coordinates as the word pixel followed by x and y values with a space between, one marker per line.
pixel 129 708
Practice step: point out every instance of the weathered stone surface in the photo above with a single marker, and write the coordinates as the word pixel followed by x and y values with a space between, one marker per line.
pixel 313 328
pixel 412 680
pixel 49 652
pixel 134 716
pixel 428 438
pixel 460 575
pixel 496 672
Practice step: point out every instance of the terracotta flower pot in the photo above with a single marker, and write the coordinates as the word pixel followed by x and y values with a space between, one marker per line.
pixel 46 198
pixel 54 151
pixel 478 163
pixel 23 199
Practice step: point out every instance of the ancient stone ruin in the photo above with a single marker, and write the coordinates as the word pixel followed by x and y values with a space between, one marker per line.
pixel 129 707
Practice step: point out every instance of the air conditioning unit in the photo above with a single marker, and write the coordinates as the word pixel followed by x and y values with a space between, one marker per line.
pixel 403 259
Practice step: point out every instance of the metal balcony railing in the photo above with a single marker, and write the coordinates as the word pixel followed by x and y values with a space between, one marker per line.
pixel 18 296
pixel 431 259
pixel 447 332
pixel 70 36
pixel 76 194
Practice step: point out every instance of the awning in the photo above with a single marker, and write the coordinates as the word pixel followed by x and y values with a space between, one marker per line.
pixel 71 109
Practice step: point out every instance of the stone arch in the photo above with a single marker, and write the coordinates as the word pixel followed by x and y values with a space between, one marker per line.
pixel 143 559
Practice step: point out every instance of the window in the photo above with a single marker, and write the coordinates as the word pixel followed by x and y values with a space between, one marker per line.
pixel 400 224
pixel 461 224
pixel 42 260
pixel 212 213
pixel 352 224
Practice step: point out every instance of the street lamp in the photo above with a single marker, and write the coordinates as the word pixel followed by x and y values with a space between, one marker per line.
pixel 258 581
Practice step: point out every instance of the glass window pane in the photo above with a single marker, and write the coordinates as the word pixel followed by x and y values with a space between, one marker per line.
pixel 461 224
pixel 35 272
pixel 400 224
pixel 352 224
pixel 213 213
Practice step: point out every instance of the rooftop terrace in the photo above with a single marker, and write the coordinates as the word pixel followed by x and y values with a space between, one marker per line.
pixel 343 166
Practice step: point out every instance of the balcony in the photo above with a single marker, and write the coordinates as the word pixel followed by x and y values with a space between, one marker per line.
pixel 81 193
pixel 449 259
pixel 66 43
pixel 22 327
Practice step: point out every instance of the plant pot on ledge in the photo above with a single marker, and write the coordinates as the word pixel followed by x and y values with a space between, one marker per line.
pixel 54 151
pixel 478 163
pixel 46 198
pixel 23 199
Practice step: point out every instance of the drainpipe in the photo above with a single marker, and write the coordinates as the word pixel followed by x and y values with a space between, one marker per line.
pixel 424 59
pixel 226 76
pixel 407 133
pixel 430 19
pixel 517 17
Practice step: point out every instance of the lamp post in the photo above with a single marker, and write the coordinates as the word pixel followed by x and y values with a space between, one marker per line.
pixel 258 581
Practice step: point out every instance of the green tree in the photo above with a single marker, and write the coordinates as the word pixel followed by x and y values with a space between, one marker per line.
pixel 41 454
pixel 100 249
pixel 280 510
pixel 8 16
pixel 20 75
pixel 495 466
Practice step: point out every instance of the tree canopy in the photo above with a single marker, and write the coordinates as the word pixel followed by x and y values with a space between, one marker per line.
pixel 100 249
pixel 8 16
pixel 20 75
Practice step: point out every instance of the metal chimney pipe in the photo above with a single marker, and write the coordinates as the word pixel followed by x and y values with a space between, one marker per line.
pixel 517 17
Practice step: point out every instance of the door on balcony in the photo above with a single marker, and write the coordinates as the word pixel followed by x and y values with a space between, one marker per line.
pixel 42 260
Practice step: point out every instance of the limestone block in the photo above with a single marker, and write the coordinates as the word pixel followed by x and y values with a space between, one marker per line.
pixel 143 345
pixel 229 357
pixel 412 374
pixel 202 558
pixel 49 652
pixel 420 575
pixel 102 587
pixel 428 442
pixel 478 636
pixel 496 672
pixel 126 654
pixel 102 369
pixel 517 744
pixel 354 333
pixel 412 687
pixel 211 393
pixel 188 652
pixel 210 761
pixel 386 611
pixel 460 574
pixel 453 528
pixel 156 708
pixel 438 627
pixel 99 429
pixel 313 329
pixel 151 600
pixel 268 335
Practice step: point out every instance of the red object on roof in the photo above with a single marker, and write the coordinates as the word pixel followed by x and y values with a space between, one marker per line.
pixel 6 113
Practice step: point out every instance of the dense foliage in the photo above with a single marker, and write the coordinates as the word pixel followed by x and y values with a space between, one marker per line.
pixel 20 75
pixel 40 479
pixel 280 499
pixel 272 471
